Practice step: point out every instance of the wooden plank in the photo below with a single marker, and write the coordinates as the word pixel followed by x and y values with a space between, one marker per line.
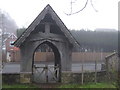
pixel 47 28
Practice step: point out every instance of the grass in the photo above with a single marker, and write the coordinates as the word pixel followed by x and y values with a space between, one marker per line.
pixel 18 86
pixel 90 85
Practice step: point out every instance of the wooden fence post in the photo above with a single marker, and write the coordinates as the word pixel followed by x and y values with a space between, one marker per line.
pixel 95 66
pixel 95 71
pixel 82 76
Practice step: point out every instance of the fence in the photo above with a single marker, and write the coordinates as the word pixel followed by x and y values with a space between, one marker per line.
pixel 76 56
pixel 88 66
pixel 91 66
pixel 99 69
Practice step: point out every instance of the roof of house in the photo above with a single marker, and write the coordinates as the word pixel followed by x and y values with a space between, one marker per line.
pixel 11 35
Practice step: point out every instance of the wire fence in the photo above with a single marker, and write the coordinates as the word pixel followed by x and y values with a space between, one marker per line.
pixel 96 71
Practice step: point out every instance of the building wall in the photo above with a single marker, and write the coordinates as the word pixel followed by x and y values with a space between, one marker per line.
pixel 11 53
pixel 15 56
pixel 9 47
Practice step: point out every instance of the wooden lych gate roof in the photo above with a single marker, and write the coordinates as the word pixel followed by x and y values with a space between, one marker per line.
pixel 47 10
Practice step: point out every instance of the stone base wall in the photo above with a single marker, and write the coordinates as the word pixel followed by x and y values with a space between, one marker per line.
pixel 25 78
pixel 10 78
pixel 72 77
pixel 66 77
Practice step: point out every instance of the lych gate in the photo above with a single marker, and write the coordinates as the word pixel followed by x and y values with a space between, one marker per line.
pixel 48 29
pixel 47 72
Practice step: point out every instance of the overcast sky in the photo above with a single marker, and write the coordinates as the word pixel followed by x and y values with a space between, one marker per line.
pixel 25 11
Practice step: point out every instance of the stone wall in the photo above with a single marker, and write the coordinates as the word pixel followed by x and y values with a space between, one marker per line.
pixel 66 77
pixel 25 77
pixel 10 78
pixel 72 77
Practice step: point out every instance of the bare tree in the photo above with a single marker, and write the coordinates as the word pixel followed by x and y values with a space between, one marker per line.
pixel 86 3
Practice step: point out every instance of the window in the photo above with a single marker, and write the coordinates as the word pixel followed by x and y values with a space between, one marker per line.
pixel 11 42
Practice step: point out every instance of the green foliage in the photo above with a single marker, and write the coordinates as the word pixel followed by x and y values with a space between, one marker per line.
pixel 98 85
pixel 69 86
pixel 20 31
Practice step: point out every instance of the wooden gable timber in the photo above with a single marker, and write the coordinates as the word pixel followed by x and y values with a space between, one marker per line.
pixel 47 10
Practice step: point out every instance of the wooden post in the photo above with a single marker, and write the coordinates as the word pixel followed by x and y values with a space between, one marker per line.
pixel 107 68
pixel 46 73
pixel 95 70
pixel 47 28
pixel 46 65
pixel 82 76
pixel 95 66
pixel 118 71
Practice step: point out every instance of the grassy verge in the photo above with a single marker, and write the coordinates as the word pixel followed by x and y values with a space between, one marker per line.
pixel 90 85
pixel 18 86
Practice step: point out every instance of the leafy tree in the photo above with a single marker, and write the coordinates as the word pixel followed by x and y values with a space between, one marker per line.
pixel 97 40
pixel 20 31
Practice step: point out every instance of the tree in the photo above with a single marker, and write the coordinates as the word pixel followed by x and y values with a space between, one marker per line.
pixel 75 12
pixel 7 24
pixel 20 31
pixel 98 40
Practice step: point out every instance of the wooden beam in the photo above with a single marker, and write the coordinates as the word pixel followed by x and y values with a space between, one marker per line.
pixel 47 28
pixel 51 36
pixel 111 55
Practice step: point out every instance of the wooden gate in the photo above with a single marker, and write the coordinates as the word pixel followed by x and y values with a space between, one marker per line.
pixel 46 73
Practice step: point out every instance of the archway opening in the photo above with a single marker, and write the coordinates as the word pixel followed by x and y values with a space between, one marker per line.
pixel 46 64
